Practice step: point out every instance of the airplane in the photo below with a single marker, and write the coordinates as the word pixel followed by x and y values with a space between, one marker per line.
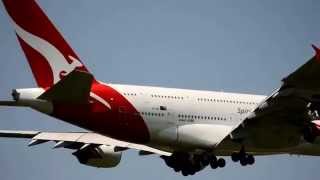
pixel 189 129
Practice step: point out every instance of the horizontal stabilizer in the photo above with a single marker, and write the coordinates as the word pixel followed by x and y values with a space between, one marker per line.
pixel 18 134
pixel 74 88
pixel 8 103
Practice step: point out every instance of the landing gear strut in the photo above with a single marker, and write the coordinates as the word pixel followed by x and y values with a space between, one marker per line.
pixel 243 157
pixel 310 133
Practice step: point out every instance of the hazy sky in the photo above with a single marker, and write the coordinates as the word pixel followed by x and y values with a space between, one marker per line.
pixel 228 45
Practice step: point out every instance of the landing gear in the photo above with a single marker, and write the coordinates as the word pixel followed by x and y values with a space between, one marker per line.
pixel 214 162
pixel 189 164
pixel 244 158
pixel 310 133
pixel 221 162
pixel 217 163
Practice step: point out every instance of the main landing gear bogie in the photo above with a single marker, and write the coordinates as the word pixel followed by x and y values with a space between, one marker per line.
pixel 189 164
pixel 217 163
pixel 242 157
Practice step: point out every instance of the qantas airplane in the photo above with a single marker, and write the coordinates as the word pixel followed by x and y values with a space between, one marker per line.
pixel 188 129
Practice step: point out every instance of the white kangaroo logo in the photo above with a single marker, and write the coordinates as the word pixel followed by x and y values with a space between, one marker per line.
pixel 59 65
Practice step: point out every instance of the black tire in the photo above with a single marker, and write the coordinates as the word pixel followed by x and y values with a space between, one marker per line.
pixel 213 158
pixel 214 164
pixel 221 162
pixel 250 159
pixel 184 172
pixel 192 172
pixel 243 161
pixel 235 157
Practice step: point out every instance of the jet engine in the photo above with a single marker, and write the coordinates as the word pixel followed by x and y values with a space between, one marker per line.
pixel 102 156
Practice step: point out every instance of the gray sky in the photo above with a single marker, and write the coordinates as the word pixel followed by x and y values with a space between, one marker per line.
pixel 229 45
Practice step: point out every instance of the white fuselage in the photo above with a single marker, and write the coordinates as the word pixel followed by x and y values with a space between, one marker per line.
pixel 183 118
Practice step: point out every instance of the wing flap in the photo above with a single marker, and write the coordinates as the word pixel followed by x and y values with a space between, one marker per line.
pixel 94 138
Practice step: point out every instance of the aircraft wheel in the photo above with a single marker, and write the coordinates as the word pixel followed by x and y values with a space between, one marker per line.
pixel 250 159
pixel 192 172
pixel 243 161
pixel 221 162
pixel 235 157
pixel 214 162
pixel 184 172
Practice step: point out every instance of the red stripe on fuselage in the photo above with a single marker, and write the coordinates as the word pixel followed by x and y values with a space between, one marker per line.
pixel 122 121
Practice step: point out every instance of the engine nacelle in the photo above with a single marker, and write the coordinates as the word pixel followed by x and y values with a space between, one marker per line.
pixel 28 97
pixel 102 156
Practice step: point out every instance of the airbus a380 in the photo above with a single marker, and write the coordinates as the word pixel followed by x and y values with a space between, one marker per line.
pixel 189 129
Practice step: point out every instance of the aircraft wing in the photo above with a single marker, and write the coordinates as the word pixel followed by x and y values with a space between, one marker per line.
pixel 279 120
pixel 77 140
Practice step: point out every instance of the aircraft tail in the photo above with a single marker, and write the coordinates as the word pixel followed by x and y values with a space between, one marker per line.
pixel 48 54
